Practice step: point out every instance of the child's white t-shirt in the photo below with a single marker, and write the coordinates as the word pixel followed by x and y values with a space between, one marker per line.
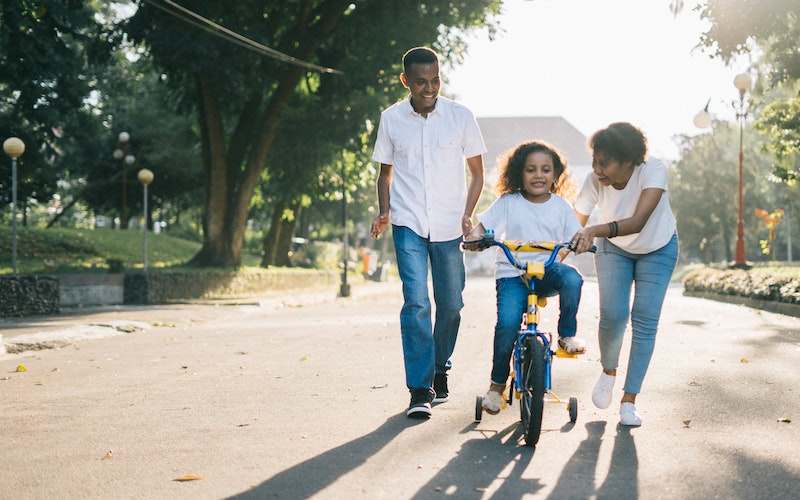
pixel 512 217
pixel 617 204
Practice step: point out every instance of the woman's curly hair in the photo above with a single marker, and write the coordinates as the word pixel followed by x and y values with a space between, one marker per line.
pixel 620 141
pixel 512 163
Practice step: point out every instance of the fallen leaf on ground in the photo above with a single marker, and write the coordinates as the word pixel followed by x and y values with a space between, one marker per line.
pixel 54 370
pixel 785 420
pixel 163 324
pixel 686 424
pixel 21 368
pixel 188 477
pixel 242 425
pixel 744 360
pixel 305 358
pixel 5 378
pixel 695 384
pixel 108 455
pixel 384 386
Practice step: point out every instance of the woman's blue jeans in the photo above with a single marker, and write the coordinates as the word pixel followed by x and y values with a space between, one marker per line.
pixel 427 350
pixel 650 274
pixel 512 302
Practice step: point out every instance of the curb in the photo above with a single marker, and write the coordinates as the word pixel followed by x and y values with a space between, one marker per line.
pixel 765 305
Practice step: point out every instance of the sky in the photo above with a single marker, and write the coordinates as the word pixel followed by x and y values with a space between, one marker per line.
pixel 595 62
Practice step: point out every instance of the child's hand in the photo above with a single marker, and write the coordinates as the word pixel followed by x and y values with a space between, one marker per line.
pixel 379 225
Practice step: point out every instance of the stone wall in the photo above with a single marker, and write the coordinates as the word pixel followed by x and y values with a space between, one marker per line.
pixel 28 295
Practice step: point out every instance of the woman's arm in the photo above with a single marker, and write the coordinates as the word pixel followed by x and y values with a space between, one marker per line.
pixel 648 201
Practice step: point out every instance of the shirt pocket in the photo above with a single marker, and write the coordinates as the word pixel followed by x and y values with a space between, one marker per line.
pixel 448 139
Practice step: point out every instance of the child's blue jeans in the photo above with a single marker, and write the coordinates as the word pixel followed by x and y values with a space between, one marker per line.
pixel 512 302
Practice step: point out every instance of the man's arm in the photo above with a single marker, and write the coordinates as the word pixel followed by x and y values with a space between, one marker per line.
pixel 475 165
pixel 381 221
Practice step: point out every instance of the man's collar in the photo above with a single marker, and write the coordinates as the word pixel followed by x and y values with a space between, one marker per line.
pixel 410 108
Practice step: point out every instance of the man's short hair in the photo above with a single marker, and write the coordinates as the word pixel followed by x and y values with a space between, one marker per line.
pixel 419 55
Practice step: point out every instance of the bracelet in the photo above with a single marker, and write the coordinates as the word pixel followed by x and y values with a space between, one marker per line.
pixel 613 229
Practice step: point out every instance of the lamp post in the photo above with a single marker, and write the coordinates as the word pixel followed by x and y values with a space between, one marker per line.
pixel 702 119
pixel 14 147
pixel 121 153
pixel 742 82
pixel 145 176
pixel 344 289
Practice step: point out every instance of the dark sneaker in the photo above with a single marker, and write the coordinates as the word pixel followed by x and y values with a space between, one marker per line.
pixel 440 388
pixel 420 406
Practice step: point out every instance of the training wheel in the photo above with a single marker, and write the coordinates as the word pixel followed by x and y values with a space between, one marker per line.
pixel 478 408
pixel 572 408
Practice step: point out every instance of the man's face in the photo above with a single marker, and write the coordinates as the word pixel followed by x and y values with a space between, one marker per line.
pixel 422 81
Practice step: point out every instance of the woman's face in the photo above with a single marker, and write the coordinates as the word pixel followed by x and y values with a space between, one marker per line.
pixel 538 174
pixel 611 172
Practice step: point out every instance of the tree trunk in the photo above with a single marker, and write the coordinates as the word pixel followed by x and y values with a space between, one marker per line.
pixel 726 241
pixel 269 244
pixel 284 243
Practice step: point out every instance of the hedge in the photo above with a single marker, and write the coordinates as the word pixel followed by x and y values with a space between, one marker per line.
pixel 767 283
pixel 28 295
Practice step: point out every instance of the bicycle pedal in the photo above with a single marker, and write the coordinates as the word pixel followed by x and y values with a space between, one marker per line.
pixel 561 353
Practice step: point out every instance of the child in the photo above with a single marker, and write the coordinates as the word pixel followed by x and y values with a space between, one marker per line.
pixel 529 209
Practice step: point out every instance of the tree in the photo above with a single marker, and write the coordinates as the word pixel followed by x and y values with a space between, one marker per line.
pixel 739 27
pixel 49 51
pixel 241 97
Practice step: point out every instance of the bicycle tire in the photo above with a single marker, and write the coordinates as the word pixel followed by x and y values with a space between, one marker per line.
pixel 531 405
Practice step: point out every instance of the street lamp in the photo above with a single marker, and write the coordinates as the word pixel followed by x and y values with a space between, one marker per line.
pixel 702 119
pixel 145 176
pixel 344 288
pixel 742 82
pixel 14 147
pixel 121 153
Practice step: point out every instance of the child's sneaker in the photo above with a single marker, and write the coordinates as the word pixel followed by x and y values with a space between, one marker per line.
pixel 493 400
pixel 573 345
pixel 628 415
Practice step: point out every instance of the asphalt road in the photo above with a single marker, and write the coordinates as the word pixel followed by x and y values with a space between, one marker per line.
pixel 307 398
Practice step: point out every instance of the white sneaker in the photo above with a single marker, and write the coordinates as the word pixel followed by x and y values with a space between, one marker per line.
pixel 573 345
pixel 628 415
pixel 492 402
pixel 601 395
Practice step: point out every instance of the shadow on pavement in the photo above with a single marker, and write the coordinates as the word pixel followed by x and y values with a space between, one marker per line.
pixel 310 477
pixel 577 479
pixel 479 463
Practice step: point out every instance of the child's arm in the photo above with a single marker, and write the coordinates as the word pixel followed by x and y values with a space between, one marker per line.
pixel 475 234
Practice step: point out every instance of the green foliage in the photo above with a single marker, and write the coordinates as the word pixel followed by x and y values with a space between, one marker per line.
pixel 49 51
pixel 780 122
pixel 703 195
pixel 57 249
pixel 774 26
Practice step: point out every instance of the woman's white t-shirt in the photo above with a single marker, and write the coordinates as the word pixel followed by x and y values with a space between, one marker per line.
pixel 512 217
pixel 617 204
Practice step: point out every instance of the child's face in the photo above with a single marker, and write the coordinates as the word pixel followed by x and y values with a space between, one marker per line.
pixel 538 174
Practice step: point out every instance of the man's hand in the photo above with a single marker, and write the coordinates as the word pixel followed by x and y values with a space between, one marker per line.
pixel 379 225
pixel 466 225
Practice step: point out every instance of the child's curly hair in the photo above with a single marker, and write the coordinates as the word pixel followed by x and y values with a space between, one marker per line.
pixel 512 164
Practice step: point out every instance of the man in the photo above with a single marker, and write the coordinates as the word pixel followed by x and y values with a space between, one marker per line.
pixel 421 145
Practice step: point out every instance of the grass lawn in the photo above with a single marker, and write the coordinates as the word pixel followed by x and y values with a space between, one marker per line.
pixel 62 250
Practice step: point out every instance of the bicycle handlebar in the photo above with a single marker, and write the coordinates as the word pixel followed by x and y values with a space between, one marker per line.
pixel 507 246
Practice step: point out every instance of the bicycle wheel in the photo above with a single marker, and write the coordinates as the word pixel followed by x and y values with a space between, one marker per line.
pixel 532 395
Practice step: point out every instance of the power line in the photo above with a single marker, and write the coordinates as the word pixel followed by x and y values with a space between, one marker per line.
pixel 209 26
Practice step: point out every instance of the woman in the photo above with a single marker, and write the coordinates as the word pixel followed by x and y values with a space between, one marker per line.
pixel 637 244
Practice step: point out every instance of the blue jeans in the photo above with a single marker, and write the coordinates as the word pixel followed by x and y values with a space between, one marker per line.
pixel 512 302
pixel 427 350
pixel 616 271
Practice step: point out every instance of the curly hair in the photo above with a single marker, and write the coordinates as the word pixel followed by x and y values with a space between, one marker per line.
pixel 620 141
pixel 512 163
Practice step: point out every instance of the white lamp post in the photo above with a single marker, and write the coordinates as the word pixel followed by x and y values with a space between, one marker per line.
pixel 703 118
pixel 145 177
pixel 14 147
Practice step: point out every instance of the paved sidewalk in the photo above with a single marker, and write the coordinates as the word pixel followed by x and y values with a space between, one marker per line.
pixel 307 400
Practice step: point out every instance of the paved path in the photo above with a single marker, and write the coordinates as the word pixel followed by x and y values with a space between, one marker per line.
pixel 264 401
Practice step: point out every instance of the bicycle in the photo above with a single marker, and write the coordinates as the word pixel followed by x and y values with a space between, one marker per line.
pixel 533 353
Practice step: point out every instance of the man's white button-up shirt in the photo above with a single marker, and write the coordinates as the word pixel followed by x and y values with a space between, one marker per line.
pixel 428 191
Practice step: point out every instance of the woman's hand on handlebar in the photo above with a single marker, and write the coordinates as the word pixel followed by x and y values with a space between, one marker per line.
pixel 582 241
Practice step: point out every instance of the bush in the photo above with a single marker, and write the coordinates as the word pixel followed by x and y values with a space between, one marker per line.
pixel 763 283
